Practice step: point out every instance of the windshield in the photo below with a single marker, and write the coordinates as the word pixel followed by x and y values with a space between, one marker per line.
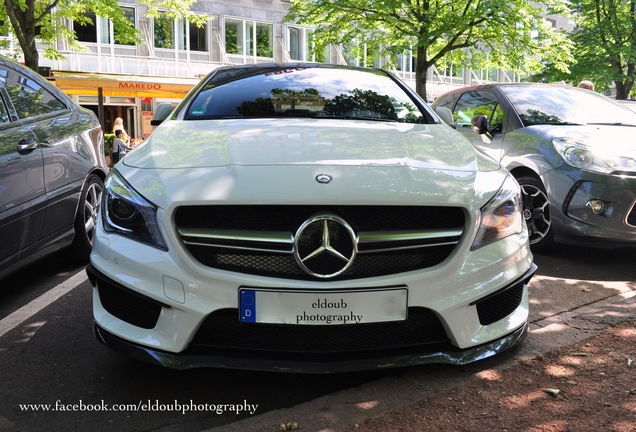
pixel 565 105
pixel 304 92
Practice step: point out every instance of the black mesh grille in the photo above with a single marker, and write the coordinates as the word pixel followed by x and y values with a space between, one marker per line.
pixel 289 218
pixel 499 306
pixel 285 265
pixel 222 329
pixel 128 306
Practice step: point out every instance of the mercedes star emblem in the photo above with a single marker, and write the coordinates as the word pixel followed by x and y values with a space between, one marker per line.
pixel 324 178
pixel 325 246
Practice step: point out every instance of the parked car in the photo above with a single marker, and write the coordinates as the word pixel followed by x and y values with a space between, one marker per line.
pixel 295 218
pixel 629 103
pixel 571 150
pixel 52 169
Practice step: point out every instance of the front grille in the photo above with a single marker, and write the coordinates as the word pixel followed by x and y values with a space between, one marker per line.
pixel 128 306
pixel 259 240
pixel 500 305
pixel 222 329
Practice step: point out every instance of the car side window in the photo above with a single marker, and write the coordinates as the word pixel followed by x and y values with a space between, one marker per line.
pixel 29 99
pixel 473 103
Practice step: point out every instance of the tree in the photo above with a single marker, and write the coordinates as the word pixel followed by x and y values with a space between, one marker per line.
pixel 499 32
pixel 605 38
pixel 47 21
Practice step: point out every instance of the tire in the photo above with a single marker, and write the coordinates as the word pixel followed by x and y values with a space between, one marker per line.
pixel 86 217
pixel 536 213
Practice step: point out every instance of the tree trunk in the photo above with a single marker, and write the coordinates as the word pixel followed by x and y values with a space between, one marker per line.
pixel 623 88
pixel 421 68
pixel 23 24
pixel 31 57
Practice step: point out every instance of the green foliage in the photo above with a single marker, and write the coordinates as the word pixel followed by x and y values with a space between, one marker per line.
pixel 360 101
pixel 109 138
pixel 605 46
pixel 498 33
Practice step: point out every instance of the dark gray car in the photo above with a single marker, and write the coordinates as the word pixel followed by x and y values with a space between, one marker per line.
pixel 573 152
pixel 51 170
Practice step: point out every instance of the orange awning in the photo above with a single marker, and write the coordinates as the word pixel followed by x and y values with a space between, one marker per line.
pixel 122 85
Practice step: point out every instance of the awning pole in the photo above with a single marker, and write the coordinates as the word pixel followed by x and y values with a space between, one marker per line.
pixel 100 108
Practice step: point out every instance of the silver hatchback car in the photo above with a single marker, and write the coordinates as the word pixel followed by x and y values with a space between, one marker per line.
pixel 572 151
pixel 52 170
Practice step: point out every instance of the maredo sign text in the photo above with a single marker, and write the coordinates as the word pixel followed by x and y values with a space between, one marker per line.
pixel 131 89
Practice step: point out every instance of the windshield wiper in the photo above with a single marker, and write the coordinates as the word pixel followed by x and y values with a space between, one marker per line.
pixel 614 124
pixel 526 124
pixel 352 117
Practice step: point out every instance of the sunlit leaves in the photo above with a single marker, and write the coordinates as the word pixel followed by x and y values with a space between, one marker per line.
pixel 510 34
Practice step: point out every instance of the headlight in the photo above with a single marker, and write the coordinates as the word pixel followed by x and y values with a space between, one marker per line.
pixel 127 213
pixel 591 159
pixel 501 216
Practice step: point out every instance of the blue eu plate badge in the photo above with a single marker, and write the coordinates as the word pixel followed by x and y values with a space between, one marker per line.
pixel 248 306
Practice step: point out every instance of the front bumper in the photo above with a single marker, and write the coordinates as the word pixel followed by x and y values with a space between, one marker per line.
pixel 308 363
pixel 574 194
pixel 270 357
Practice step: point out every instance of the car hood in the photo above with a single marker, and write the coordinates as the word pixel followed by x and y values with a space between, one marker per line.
pixel 613 138
pixel 258 161
pixel 214 143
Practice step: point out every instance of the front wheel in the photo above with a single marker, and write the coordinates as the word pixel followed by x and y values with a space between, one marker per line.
pixel 536 212
pixel 86 218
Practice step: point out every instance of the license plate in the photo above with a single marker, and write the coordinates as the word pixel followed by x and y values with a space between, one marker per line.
pixel 322 308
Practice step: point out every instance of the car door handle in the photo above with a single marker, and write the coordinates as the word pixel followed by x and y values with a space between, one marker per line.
pixel 27 145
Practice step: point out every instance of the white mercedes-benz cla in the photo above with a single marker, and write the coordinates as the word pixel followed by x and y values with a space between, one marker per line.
pixel 308 218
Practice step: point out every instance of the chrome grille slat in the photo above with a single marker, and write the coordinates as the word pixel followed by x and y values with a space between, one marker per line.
pixel 241 240
pixel 261 241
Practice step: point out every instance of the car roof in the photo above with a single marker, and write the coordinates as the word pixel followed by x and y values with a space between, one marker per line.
pixel 292 65
pixel 508 84
pixel 491 86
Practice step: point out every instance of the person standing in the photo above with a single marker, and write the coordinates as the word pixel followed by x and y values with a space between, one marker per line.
pixel 119 125
pixel 119 146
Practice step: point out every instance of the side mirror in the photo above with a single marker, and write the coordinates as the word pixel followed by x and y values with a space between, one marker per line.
pixel 162 112
pixel 480 124
pixel 446 115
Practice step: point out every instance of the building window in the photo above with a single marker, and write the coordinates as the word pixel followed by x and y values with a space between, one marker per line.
pixel 360 54
pixel 294 44
pixel 130 14
pixel 95 28
pixel 264 40
pixel 249 38
pixel 86 32
pixel 179 33
pixel 233 37
pixel 299 41
pixel 405 62
pixel 164 32
pixel 198 37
